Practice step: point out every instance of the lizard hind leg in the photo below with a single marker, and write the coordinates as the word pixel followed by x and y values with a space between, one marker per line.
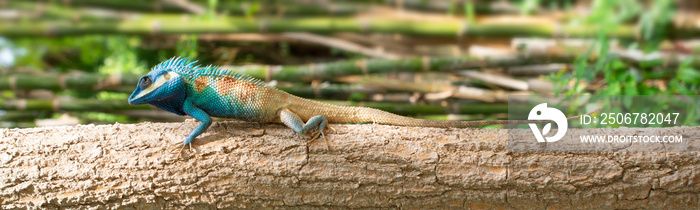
pixel 315 124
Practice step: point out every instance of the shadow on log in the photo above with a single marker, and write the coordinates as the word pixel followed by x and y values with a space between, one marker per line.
pixel 249 165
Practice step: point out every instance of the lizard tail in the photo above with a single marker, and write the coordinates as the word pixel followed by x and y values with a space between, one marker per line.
pixel 378 116
pixel 345 114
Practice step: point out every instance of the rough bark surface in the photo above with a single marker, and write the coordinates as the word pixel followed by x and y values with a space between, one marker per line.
pixel 248 165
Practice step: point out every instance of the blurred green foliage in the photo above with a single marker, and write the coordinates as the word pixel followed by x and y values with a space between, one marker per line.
pixel 187 46
pixel 621 78
pixel 654 23
pixel 121 56
pixel 528 7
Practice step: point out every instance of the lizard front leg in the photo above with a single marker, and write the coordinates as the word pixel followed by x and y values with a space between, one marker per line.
pixel 316 123
pixel 197 114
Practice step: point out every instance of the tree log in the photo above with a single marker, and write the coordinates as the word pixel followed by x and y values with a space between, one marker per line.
pixel 252 165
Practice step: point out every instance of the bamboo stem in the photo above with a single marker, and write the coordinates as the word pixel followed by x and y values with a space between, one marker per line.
pixel 326 71
pixel 86 82
pixel 328 91
pixel 295 8
pixel 147 24
pixel 69 105
pixel 496 79
pixel 536 70
pixel 21 116
pixel 338 43
pixel 188 6
pixel 422 109
pixel 231 7
pixel 435 91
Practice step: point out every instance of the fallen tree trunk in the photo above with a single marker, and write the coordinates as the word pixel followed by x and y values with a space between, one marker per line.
pixel 241 164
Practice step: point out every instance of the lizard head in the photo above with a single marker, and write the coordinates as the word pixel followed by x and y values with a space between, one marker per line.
pixel 164 87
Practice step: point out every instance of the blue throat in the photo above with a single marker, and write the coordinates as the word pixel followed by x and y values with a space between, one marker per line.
pixel 172 104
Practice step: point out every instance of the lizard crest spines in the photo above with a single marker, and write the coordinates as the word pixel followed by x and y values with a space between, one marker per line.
pixel 191 70
pixel 178 65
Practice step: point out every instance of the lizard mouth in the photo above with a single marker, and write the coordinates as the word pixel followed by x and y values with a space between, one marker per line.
pixel 137 98
pixel 132 101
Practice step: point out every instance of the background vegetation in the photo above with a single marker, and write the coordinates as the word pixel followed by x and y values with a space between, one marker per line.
pixel 67 62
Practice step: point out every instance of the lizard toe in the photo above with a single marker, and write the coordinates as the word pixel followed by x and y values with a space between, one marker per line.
pixel 333 129
pixel 317 134
pixel 179 147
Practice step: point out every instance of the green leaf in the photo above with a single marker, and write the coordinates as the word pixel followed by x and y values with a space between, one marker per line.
pixel 689 75
pixel 631 87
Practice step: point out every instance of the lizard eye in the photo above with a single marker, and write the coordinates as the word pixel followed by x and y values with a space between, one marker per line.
pixel 144 82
